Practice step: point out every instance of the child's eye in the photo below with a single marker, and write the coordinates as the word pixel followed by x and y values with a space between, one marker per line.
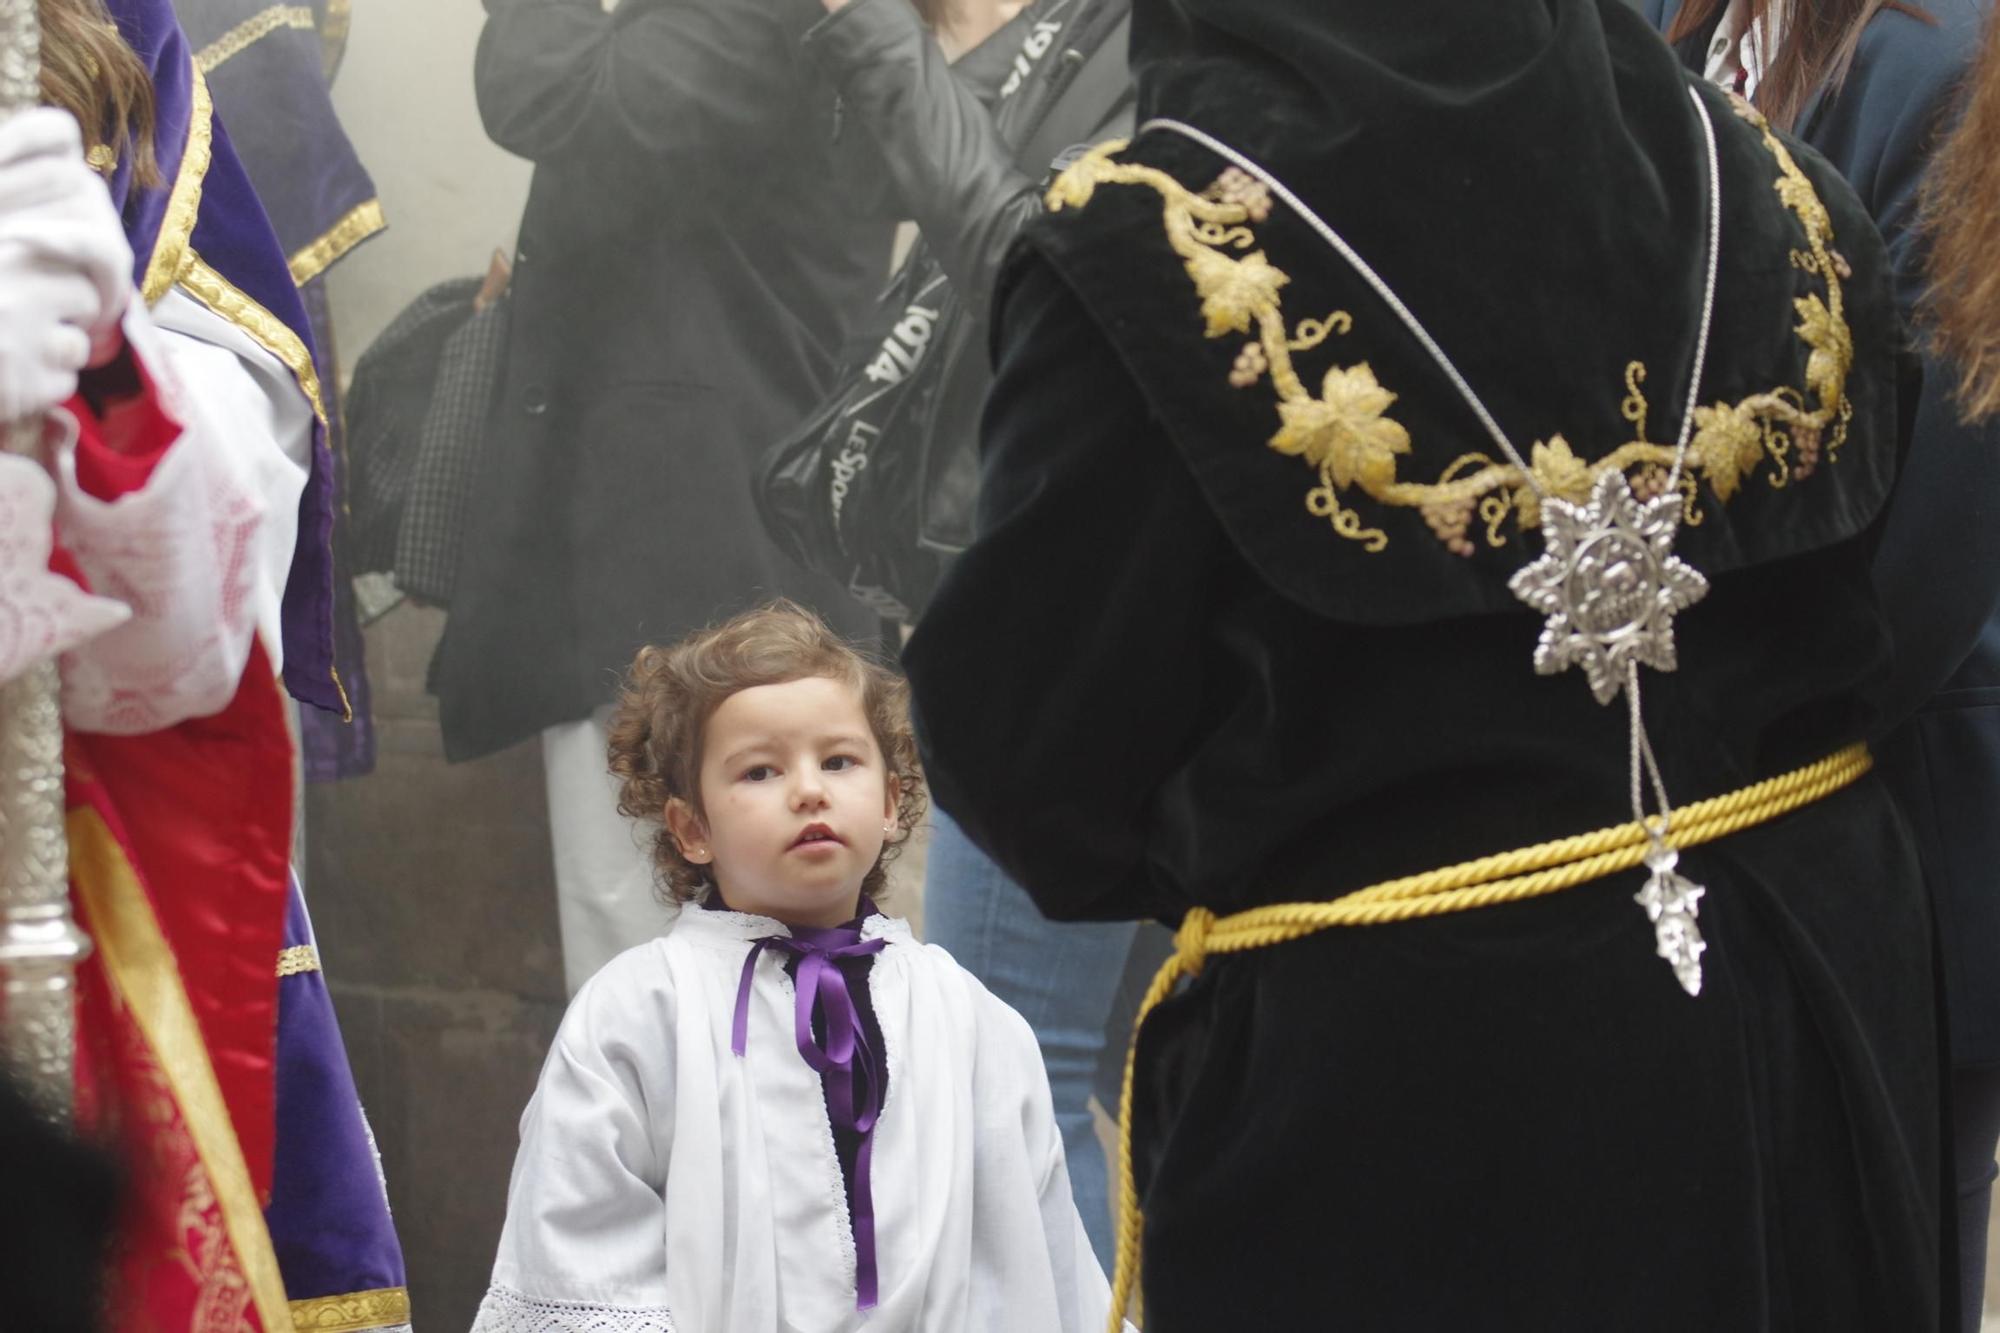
pixel 840 763
pixel 761 773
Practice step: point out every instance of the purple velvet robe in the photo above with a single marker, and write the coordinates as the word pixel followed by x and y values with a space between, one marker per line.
pixel 230 232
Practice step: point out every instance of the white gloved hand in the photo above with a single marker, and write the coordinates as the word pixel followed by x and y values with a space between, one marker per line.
pixel 65 266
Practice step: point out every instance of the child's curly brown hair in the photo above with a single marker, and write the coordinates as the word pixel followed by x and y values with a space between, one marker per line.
pixel 670 693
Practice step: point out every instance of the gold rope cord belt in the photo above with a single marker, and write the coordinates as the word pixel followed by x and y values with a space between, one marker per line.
pixel 1527 872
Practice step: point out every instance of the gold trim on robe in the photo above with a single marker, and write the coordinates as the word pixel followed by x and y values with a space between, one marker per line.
pixel 140 965
pixel 216 292
pixel 299 958
pixel 253 30
pixel 360 222
pixel 170 248
pixel 333 34
pixel 356 1312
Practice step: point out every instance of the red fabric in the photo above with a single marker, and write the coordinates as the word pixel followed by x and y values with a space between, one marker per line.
pixel 123 430
pixel 172 1267
pixel 204 809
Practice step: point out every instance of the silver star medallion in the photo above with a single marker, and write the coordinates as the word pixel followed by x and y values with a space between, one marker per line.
pixel 1672 901
pixel 1609 583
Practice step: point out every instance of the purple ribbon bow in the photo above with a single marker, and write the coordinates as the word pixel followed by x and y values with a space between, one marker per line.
pixel 853 1074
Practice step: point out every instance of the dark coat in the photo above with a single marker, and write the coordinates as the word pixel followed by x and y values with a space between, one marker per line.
pixel 972 175
pixel 1939 566
pixel 1507 1118
pixel 687 269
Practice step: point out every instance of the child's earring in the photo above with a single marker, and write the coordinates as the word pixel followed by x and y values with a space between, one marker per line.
pixel 698 855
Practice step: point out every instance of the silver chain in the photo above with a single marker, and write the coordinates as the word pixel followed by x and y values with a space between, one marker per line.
pixel 1669 898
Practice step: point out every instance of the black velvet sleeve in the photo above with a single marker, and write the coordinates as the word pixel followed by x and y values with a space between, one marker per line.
pixel 1937 570
pixel 674 85
pixel 950 168
pixel 1058 675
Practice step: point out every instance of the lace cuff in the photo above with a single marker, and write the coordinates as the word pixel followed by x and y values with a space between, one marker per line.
pixel 41 613
pixel 178 553
pixel 506 1310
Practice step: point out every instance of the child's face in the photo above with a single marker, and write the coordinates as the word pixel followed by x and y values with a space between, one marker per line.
pixel 798 801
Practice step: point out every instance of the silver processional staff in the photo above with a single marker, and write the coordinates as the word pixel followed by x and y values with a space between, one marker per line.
pixel 40 945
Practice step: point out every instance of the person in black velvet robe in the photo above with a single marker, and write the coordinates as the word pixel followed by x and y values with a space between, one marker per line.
pixel 1270 691
pixel 1878 122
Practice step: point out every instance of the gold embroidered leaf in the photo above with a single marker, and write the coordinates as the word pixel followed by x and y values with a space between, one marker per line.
pixel 1795 192
pixel 1561 473
pixel 1559 470
pixel 1073 188
pixel 1798 195
pixel 1832 348
pixel 1728 445
pixel 1079 181
pixel 1743 109
pixel 1345 430
pixel 1234 291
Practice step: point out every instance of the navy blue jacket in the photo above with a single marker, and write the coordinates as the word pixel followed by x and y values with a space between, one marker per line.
pixel 1938 568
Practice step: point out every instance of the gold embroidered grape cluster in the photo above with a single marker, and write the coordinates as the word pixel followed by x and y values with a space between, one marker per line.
pixel 1346 435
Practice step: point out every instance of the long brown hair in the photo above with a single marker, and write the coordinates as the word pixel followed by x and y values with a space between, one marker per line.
pixel 90 72
pixel 1818 46
pixel 1962 214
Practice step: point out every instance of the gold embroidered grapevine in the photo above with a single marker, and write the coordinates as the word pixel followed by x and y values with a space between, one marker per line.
pixel 1344 431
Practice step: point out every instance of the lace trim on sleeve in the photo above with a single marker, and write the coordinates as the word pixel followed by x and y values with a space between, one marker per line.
pixel 506 1310
pixel 41 613
pixel 177 553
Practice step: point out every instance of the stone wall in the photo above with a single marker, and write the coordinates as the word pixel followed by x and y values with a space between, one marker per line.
pixel 433 898
pixel 431 885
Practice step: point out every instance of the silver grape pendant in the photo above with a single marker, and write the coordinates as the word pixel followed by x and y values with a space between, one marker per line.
pixel 1610 584
pixel 1672 901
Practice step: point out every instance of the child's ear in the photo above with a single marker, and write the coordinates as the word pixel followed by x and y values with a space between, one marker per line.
pixel 892 794
pixel 690 834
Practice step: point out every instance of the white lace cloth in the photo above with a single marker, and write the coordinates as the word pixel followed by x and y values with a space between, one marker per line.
pixel 41 614
pixel 173 567
pixel 506 1310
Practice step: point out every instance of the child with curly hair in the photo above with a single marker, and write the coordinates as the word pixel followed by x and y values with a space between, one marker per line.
pixel 785 1113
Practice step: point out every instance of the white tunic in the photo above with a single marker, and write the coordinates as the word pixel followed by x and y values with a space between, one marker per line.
pixel 665 1185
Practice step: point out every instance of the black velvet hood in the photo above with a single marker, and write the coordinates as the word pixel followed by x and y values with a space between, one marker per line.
pixel 1529 177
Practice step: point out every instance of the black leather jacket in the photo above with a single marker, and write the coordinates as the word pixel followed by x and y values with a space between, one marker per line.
pixel 972 176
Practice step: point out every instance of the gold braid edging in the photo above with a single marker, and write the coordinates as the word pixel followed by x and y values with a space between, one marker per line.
pixel 1345 432
pixel 298 959
pixel 1528 872
pixel 333 36
pixel 251 31
pixel 355 1312
pixel 170 247
pixel 237 306
pixel 355 226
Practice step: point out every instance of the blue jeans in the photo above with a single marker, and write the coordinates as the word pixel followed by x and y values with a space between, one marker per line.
pixel 1077 984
